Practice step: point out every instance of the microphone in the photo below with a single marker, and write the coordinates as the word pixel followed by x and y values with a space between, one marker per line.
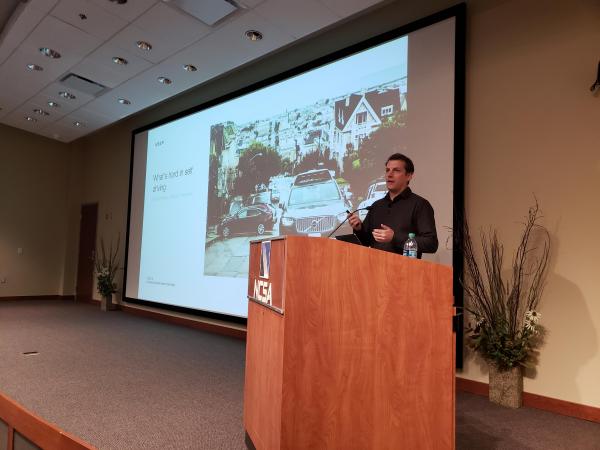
pixel 368 208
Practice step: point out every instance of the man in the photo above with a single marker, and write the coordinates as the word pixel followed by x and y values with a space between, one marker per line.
pixel 400 212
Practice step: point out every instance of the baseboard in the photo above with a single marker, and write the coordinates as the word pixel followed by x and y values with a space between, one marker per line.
pixel 190 323
pixel 549 404
pixel 38 297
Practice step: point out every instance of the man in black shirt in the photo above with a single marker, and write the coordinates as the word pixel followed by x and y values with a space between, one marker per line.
pixel 400 212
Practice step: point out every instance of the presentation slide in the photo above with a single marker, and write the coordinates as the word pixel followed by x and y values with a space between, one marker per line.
pixel 290 158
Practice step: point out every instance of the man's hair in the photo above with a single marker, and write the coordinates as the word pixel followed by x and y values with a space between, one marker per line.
pixel 409 167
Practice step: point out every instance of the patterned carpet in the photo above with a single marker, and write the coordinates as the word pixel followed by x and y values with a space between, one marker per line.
pixel 120 381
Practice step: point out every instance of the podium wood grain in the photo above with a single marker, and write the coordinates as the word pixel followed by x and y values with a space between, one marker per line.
pixel 362 357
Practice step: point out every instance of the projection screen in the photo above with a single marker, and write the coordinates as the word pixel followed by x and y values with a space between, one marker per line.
pixel 276 160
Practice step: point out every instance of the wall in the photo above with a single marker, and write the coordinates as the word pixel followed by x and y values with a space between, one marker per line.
pixel 533 128
pixel 33 202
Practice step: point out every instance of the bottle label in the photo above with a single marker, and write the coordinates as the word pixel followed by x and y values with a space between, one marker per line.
pixel 405 252
pixel 412 253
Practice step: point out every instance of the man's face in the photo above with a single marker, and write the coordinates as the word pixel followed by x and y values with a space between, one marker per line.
pixel 396 177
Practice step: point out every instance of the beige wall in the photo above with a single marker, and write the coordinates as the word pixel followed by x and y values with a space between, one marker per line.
pixel 532 127
pixel 33 203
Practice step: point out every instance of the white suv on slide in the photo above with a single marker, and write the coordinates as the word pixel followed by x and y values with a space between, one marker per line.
pixel 377 190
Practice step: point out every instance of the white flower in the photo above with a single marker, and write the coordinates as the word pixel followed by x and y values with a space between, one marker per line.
pixel 532 316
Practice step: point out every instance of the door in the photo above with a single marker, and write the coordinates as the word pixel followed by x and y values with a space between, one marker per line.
pixel 87 246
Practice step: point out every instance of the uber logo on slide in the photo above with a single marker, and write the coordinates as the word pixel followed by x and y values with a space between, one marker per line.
pixel 262 288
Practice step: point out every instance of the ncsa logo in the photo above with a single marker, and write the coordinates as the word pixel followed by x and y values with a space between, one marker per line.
pixel 262 288
pixel 262 291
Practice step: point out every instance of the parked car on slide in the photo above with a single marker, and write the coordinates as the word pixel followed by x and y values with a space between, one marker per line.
pixel 247 220
pixel 376 190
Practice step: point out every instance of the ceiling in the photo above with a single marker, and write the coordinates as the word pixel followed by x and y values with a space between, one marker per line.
pixel 88 34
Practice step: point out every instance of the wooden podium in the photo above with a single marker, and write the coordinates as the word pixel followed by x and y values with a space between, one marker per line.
pixel 347 348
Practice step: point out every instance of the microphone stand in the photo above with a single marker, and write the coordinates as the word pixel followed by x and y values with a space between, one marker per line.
pixel 344 221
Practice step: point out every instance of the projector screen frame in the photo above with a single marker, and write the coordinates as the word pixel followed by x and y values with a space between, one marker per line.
pixel 458 12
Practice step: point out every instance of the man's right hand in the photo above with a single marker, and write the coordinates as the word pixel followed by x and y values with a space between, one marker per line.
pixel 355 222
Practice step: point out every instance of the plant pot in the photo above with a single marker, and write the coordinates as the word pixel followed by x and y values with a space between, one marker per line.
pixel 506 386
pixel 106 303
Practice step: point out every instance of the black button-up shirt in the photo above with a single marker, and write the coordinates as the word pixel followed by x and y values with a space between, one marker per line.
pixel 407 213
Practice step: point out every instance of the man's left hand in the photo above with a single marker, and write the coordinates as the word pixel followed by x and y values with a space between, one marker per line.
pixel 383 234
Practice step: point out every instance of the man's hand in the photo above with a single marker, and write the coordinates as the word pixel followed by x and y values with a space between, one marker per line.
pixel 383 234
pixel 355 222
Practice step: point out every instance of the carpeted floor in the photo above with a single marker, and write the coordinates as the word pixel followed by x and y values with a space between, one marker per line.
pixel 120 381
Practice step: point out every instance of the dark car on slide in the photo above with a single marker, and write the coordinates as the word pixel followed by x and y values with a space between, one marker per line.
pixel 246 220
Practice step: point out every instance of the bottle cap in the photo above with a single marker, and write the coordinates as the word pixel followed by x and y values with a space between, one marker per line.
pixel 411 235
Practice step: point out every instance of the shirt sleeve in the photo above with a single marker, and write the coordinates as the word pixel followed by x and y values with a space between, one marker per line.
pixel 365 234
pixel 426 234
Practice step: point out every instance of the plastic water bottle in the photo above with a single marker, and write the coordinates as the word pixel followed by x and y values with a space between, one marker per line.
pixel 410 246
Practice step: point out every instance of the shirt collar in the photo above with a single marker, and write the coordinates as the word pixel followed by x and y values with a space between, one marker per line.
pixel 404 194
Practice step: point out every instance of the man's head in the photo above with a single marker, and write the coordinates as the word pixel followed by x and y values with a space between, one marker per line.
pixel 399 171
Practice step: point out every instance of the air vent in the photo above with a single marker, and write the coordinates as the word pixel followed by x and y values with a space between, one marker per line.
pixel 82 84
pixel 208 11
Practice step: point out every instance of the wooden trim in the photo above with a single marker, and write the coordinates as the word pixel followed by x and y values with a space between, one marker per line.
pixel 190 323
pixel 31 297
pixel 42 433
pixel 472 387
pixel 38 297
pixel 536 401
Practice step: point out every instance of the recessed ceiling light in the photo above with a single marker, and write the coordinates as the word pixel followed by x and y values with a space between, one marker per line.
pixel 189 68
pixel 78 124
pixel 30 119
pixel 143 45
pixel 254 35
pixel 52 104
pixel 124 101
pixel 119 60
pixel 49 53
pixel 164 80
pixel 65 94
pixel 35 67
pixel 41 112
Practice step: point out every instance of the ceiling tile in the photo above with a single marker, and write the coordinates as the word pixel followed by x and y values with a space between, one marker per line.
pixel 128 11
pixel 27 110
pixel 72 43
pixel 25 18
pixel 63 132
pixel 28 82
pixel 100 68
pixel 98 22
pixel 249 4
pixel 90 119
pixel 297 18
pixel 156 27
pixel 108 105
pixel 64 107
pixel 228 48
pixel 17 119
pixel 52 92
pixel 346 8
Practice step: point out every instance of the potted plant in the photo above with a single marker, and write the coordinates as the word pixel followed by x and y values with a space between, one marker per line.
pixel 504 304
pixel 106 266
